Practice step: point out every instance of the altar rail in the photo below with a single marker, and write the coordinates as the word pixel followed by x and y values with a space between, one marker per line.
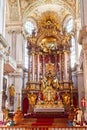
pixel 43 128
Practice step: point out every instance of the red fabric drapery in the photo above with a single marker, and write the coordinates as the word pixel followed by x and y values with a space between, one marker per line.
pixel 83 102
pixel 25 105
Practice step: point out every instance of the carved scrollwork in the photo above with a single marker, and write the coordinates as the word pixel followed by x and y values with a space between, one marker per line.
pixel 32 99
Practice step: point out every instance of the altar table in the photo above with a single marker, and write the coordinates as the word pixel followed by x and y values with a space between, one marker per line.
pixel 48 109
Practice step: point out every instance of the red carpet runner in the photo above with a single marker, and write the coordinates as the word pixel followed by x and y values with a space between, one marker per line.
pixel 43 121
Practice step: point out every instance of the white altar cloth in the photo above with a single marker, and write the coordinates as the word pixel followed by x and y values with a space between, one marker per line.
pixel 48 109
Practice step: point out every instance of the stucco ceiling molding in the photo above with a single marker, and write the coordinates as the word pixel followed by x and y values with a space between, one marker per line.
pixel 35 8
pixel 67 5
pixel 14 10
pixel 31 7
pixel 38 7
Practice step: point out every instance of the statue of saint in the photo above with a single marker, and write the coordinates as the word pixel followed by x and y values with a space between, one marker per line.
pixel 12 90
pixel 66 99
pixel 5 114
pixel 11 94
pixel 79 115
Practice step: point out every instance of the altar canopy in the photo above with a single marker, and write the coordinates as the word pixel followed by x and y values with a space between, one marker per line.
pixel 49 84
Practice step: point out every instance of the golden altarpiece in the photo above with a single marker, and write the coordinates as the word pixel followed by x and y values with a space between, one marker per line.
pixel 49 86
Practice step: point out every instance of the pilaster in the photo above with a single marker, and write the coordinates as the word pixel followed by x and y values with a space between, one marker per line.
pixel 83 12
pixel 2 16
pixel 83 41
pixel 1 84
pixel 14 33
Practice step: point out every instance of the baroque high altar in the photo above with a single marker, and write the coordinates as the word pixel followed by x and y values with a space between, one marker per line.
pixel 49 83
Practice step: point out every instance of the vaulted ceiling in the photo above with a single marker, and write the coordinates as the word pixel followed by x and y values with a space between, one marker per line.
pixel 20 10
pixel 48 15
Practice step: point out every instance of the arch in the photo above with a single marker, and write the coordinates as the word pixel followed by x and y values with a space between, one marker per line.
pixel 67 20
pixel 29 22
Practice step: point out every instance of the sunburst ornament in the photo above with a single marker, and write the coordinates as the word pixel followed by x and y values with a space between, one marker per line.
pixel 49 20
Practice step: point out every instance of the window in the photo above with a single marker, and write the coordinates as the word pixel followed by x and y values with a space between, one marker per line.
pixel 29 27
pixel 73 54
pixel 69 25
pixel 26 56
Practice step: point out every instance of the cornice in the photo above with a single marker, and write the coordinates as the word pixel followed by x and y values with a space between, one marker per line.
pixel 14 28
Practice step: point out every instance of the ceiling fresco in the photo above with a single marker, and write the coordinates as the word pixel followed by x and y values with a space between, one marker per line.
pixel 23 9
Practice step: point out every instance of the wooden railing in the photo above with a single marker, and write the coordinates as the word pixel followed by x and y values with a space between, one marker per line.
pixel 41 128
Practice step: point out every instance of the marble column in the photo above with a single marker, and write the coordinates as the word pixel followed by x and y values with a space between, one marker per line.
pixel 33 66
pixel 28 66
pixel 30 60
pixel 1 85
pixel 84 12
pixel 66 66
pixel 83 41
pixel 56 69
pixel 38 67
pixel 18 39
pixel 60 67
pixel 85 72
pixel 43 65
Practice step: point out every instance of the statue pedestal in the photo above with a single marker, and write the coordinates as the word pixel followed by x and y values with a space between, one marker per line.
pixel 18 117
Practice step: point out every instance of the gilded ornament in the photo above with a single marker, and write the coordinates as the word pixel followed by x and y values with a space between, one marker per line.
pixel 66 99
pixel 32 99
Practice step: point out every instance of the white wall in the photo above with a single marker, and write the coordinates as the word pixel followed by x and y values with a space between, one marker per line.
pixel 2 16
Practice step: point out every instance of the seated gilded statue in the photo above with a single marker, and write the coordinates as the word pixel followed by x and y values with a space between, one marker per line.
pixel 66 99
pixel 32 99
